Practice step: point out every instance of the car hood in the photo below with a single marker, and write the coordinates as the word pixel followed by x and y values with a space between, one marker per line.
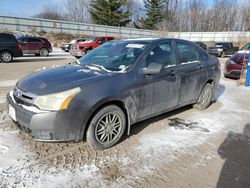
pixel 59 79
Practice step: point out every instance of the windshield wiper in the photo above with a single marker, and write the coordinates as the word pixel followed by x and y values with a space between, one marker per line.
pixel 100 67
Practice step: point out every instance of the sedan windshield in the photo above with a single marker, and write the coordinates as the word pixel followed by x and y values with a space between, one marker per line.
pixel 73 41
pixel 114 56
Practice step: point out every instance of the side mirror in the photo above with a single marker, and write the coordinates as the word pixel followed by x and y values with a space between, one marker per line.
pixel 99 42
pixel 153 68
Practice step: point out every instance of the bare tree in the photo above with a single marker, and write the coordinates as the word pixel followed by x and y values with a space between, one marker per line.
pixel 179 15
pixel 77 10
pixel 244 18
pixel 53 13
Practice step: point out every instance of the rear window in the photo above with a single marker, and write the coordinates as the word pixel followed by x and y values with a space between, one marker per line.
pixel 7 38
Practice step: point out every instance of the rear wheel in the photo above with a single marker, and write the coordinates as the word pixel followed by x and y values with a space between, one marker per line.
pixel 205 98
pixel 106 127
pixel 44 52
pixel 5 57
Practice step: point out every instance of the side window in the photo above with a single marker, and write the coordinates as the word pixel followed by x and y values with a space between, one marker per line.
pixel 110 38
pixel 187 52
pixel 22 39
pixel 101 41
pixel 25 39
pixel 203 55
pixel 34 40
pixel 162 54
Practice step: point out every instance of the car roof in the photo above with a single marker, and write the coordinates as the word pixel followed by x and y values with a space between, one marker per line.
pixel 155 39
pixel 100 36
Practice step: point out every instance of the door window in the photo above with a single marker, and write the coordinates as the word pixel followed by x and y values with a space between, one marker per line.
pixel 101 40
pixel 187 52
pixel 110 38
pixel 162 54
pixel 34 40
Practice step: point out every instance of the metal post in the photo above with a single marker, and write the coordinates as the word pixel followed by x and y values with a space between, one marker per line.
pixel 248 72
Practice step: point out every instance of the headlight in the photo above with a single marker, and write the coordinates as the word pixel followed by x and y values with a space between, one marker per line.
pixel 57 101
pixel 220 50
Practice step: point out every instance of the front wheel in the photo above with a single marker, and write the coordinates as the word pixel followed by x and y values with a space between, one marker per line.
pixel 106 127
pixel 5 57
pixel 205 98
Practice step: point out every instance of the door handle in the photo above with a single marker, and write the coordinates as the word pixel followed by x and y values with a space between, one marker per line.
pixel 173 72
pixel 200 66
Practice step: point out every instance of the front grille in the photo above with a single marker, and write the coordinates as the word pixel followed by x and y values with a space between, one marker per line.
pixel 23 98
pixel 20 101
pixel 74 47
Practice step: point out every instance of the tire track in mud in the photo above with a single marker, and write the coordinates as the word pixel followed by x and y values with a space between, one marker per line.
pixel 61 156
pixel 54 158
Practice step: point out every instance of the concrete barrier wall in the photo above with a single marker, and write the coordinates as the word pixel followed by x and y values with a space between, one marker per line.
pixel 33 24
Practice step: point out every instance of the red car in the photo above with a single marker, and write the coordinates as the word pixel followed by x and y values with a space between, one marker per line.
pixel 79 49
pixel 35 45
pixel 233 65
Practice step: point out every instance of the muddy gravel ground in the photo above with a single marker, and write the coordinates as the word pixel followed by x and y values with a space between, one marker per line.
pixel 213 153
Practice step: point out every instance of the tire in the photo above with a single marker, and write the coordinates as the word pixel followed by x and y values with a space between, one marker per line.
pixel 44 52
pixel 205 98
pixel 106 127
pixel 5 57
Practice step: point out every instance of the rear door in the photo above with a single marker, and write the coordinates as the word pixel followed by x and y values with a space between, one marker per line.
pixel 191 71
pixel 35 44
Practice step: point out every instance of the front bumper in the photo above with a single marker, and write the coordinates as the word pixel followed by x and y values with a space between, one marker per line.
pixel 232 70
pixel 77 53
pixel 215 52
pixel 46 125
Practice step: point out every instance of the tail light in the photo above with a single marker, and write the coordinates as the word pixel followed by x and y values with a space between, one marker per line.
pixel 18 46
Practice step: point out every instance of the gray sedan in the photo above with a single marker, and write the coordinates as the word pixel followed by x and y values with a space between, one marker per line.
pixel 112 87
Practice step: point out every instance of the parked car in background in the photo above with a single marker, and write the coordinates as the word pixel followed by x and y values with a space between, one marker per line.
pixel 80 49
pixel 222 49
pixel 201 44
pixel 9 48
pixel 67 46
pixel 233 65
pixel 245 48
pixel 35 45
pixel 113 86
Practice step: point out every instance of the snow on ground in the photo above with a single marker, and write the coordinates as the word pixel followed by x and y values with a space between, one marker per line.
pixel 152 149
pixel 8 83
pixel 2 98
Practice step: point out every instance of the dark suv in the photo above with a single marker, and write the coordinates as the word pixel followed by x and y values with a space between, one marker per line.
pixel 113 86
pixel 9 48
pixel 35 45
